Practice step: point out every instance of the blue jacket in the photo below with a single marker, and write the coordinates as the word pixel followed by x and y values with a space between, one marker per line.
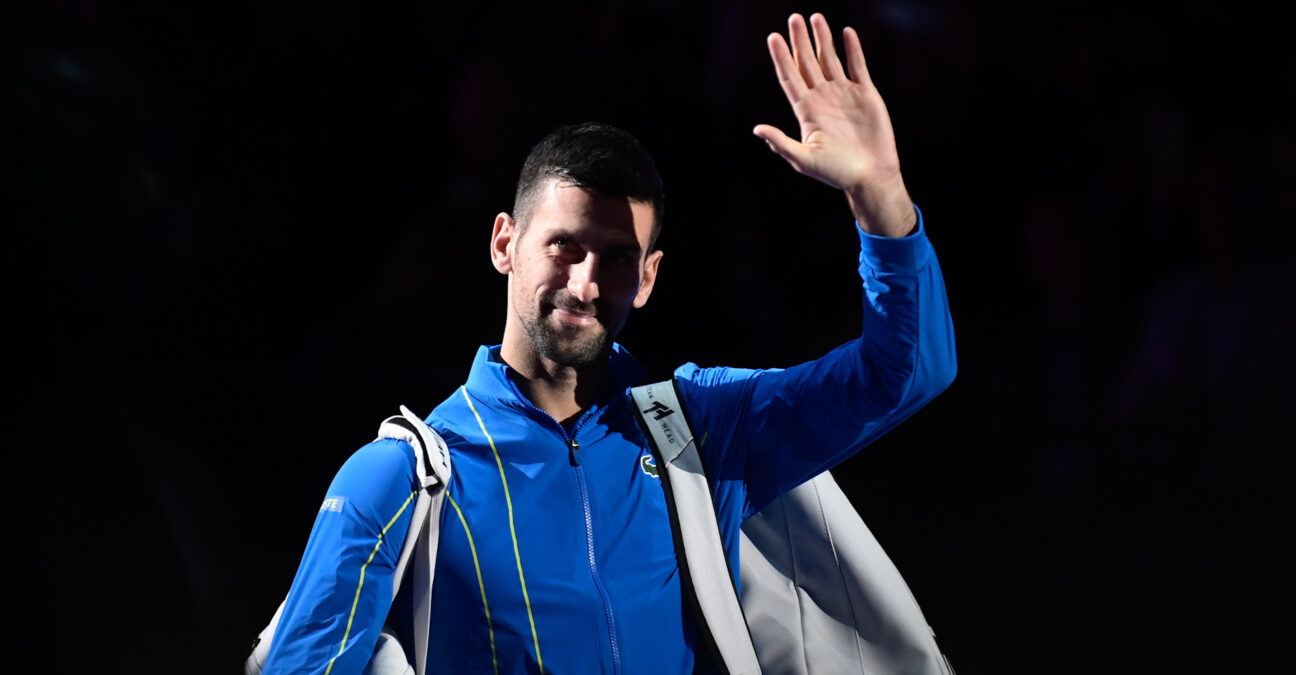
pixel 556 551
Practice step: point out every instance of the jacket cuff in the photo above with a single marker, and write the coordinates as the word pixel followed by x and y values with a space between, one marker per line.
pixel 894 255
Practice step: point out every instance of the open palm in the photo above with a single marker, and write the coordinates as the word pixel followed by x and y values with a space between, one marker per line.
pixel 846 137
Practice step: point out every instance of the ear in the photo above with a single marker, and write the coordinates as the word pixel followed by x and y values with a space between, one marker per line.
pixel 502 239
pixel 647 278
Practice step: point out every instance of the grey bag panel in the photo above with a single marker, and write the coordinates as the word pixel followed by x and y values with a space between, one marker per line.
pixel 821 596
pixel 388 658
pixel 255 662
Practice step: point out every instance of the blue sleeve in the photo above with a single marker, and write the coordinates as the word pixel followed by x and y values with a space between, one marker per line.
pixel 343 588
pixel 766 431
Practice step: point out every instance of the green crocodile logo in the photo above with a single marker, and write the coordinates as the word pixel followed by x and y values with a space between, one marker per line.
pixel 649 465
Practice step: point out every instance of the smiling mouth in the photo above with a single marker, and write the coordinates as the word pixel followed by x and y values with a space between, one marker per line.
pixel 575 316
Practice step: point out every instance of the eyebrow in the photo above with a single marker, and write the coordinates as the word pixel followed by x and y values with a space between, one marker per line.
pixel 616 243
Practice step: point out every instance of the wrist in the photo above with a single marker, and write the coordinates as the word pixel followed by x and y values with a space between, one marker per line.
pixel 883 208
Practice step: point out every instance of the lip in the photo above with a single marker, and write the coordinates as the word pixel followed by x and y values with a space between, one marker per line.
pixel 574 317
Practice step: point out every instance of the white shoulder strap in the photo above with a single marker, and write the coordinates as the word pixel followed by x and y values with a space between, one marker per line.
pixel 432 463
pixel 688 493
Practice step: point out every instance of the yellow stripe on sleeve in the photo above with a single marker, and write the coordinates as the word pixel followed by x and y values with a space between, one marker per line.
pixel 355 602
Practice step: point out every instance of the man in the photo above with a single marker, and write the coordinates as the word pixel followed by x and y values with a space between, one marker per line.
pixel 556 552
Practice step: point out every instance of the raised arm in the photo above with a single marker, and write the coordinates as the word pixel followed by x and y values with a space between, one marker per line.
pixel 846 137
pixel 762 432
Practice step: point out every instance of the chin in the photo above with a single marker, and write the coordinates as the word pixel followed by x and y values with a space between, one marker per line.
pixel 579 355
pixel 571 351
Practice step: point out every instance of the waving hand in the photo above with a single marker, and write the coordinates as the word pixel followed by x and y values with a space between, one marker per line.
pixel 846 137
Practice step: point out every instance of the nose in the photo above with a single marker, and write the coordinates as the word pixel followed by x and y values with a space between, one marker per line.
pixel 582 278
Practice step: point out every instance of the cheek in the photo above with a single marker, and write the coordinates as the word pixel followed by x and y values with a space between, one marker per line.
pixel 628 279
pixel 537 277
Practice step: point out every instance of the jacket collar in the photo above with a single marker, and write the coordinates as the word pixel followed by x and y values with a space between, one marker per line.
pixel 490 380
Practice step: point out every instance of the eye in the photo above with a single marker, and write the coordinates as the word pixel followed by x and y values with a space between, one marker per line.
pixel 561 242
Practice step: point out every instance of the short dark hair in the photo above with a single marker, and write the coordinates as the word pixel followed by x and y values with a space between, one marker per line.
pixel 597 157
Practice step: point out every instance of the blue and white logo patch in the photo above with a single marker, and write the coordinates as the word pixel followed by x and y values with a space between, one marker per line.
pixel 333 504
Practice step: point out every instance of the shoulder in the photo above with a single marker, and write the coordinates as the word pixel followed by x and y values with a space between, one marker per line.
pixel 715 395
pixel 722 383
pixel 371 473
pixel 697 376
pixel 453 416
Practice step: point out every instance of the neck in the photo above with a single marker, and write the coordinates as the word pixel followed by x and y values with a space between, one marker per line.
pixel 562 391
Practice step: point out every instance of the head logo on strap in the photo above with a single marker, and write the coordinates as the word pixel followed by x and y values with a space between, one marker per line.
pixel 658 410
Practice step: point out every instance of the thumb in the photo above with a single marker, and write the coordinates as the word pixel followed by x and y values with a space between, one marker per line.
pixel 787 148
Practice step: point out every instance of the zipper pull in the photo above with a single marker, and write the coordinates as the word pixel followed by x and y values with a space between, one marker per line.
pixel 573 447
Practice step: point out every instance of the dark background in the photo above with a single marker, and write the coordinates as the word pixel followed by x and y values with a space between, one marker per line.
pixel 238 235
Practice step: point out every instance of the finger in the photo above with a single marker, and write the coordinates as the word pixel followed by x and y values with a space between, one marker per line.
pixel 803 51
pixel 789 149
pixel 855 56
pixel 828 61
pixel 789 77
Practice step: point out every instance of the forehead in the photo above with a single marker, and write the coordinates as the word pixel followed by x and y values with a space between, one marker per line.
pixel 581 211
